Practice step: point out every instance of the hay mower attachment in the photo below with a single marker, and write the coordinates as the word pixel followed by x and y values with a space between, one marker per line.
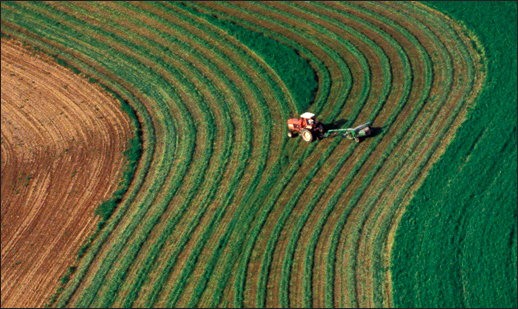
pixel 356 133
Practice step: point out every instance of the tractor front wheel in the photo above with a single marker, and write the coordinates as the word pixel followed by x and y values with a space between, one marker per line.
pixel 291 134
pixel 307 135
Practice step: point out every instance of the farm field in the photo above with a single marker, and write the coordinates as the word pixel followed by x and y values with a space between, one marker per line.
pixel 218 207
pixel 464 216
pixel 62 145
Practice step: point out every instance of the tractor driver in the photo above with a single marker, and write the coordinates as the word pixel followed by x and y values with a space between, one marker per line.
pixel 310 121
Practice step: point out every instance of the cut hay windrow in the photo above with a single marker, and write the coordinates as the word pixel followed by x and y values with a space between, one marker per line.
pixel 445 128
pixel 286 269
pixel 381 236
pixel 271 203
pixel 192 192
pixel 216 298
pixel 202 164
pixel 225 210
pixel 306 213
pixel 304 217
pixel 389 149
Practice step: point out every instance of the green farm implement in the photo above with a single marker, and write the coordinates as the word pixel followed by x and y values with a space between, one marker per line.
pixel 356 133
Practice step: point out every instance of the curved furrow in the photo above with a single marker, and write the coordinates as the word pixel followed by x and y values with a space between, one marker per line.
pixel 185 274
pixel 60 147
pixel 404 164
pixel 128 257
pixel 402 101
pixel 276 241
pixel 288 258
pixel 367 194
pixel 446 132
pixel 149 139
pixel 214 257
pixel 184 202
pixel 307 265
pixel 245 160
pixel 410 148
pixel 380 165
pixel 217 298
pixel 303 219
pixel 137 222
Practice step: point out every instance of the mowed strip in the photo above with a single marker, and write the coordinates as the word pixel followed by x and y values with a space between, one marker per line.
pixel 210 177
pixel 467 82
pixel 431 124
pixel 363 212
pixel 222 141
pixel 203 268
pixel 66 137
pixel 272 200
pixel 245 220
pixel 416 98
pixel 349 281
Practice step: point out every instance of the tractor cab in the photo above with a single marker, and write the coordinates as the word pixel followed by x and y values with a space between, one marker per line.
pixel 308 127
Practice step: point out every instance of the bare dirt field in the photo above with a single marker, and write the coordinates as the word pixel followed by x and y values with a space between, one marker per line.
pixel 61 148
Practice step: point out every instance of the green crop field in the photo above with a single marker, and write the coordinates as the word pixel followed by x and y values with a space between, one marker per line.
pixel 219 208
pixel 464 215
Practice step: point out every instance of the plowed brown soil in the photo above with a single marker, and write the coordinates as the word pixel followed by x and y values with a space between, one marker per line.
pixel 62 143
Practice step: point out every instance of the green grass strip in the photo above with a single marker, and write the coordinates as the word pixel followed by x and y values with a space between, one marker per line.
pixel 376 267
pixel 476 218
pixel 331 256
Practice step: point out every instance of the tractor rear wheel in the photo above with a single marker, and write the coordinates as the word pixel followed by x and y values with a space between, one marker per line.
pixel 307 135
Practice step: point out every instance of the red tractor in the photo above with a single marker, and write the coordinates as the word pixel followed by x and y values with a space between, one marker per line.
pixel 307 126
